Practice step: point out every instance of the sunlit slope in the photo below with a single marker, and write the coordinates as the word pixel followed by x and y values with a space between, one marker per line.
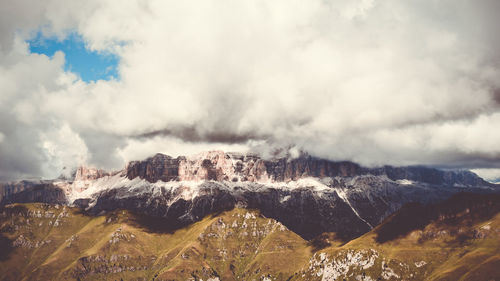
pixel 58 242
pixel 458 239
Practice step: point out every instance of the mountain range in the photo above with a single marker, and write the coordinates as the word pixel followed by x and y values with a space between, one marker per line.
pixel 234 216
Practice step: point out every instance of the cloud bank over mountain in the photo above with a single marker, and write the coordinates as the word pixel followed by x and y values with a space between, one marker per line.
pixel 377 82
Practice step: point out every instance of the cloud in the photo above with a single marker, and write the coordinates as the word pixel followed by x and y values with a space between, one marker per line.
pixel 378 82
pixel 174 147
pixel 64 148
pixel 491 175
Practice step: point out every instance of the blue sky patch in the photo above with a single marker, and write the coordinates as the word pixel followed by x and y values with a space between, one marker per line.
pixel 89 65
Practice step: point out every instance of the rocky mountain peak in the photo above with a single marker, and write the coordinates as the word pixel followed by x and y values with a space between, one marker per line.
pixel 241 167
pixel 89 173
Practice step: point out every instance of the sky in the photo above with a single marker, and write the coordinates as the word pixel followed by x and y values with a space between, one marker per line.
pixel 88 65
pixel 377 82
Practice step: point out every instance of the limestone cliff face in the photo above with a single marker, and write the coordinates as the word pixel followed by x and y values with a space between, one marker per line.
pixel 431 175
pixel 220 166
pixel 7 189
pixel 27 192
pixel 235 167
pixel 159 167
pixel 294 169
pixel 89 173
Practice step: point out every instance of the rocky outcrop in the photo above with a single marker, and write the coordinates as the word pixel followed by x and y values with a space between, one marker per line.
pixel 430 175
pixel 89 173
pixel 213 165
pixel 49 191
pixel 159 167
pixel 37 192
pixel 236 167
pixel 9 188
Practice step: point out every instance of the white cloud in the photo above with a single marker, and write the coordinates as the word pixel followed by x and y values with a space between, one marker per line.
pixel 139 150
pixel 379 82
pixel 492 175
pixel 64 148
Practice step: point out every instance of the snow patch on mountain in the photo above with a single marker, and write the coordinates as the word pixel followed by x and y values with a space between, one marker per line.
pixel 342 194
pixel 135 186
pixel 190 189
pixel 405 182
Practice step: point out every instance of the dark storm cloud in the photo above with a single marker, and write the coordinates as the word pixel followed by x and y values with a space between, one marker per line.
pixel 191 134
pixel 496 96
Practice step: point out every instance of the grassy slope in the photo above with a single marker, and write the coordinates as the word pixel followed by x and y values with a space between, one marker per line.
pixel 232 245
pixel 236 245
pixel 458 240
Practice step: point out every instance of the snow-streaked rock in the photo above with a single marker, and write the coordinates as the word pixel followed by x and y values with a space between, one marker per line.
pixel 306 194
